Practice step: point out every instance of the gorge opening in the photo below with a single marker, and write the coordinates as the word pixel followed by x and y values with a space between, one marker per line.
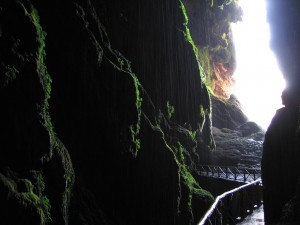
pixel 259 82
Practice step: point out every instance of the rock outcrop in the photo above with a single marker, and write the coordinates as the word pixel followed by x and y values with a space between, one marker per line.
pixel 211 32
pixel 241 147
pixel 227 113
pixel 238 141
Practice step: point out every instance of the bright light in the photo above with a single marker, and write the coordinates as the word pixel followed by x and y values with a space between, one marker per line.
pixel 259 83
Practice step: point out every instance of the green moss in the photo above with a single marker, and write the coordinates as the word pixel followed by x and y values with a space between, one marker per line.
pixel 45 80
pixel 217 44
pixel 170 109
pixel 38 181
pixel 192 135
pixel 31 200
pixel 190 181
pixel 205 61
pixel 224 37
pixel 31 197
pixel 226 3
pixel 202 112
pixel 134 133
pixel 202 117
pixel 184 173
pixel 11 73
pixel 202 54
pixel 135 129
pixel 42 71
pixel 9 184
pixel 119 62
pixel 189 38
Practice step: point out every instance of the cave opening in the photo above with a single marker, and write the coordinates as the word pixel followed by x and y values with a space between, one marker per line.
pixel 258 80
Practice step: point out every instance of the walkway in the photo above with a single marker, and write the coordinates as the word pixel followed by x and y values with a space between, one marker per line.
pixel 256 218
pixel 233 206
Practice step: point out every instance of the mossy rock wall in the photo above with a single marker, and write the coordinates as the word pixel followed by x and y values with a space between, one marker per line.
pixel 106 94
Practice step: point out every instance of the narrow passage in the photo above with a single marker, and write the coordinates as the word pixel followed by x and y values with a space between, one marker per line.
pixel 256 218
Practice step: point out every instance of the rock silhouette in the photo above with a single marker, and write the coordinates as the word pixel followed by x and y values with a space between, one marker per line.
pixel 280 170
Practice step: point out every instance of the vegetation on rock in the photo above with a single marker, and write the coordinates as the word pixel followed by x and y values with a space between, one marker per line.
pixel 115 115
pixel 26 196
pixel 214 42
pixel 56 146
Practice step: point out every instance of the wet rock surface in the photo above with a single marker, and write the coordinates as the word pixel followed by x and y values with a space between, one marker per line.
pixel 238 141
pixel 108 92
pixel 240 147
pixel 227 113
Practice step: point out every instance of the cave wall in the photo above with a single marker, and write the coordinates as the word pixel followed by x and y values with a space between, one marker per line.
pixel 104 114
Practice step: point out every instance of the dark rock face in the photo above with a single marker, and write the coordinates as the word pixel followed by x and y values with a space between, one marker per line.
pixel 240 147
pixel 280 157
pixel 130 129
pixel 227 113
pixel 282 142
pixel 251 128
pixel 238 141
pixel 105 115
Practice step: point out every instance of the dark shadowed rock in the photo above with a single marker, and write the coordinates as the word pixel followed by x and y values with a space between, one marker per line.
pixel 227 113
pixel 233 148
pixel 238 141
pixel 250 128
pixel 281 156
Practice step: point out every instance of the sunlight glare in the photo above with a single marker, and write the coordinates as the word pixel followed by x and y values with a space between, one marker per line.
pixel 259 82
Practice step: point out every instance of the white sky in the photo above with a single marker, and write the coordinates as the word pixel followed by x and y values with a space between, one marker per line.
pixel 259 82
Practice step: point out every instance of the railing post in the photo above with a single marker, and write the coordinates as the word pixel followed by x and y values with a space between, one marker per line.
pixel 242 205
pixel 235 174
pixel 232 173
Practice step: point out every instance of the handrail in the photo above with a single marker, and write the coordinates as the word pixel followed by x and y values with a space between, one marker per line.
pixel 218 201
pixel 232 173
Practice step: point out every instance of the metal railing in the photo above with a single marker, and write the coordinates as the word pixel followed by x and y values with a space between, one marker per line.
pixel 233 206
pixel 231 173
